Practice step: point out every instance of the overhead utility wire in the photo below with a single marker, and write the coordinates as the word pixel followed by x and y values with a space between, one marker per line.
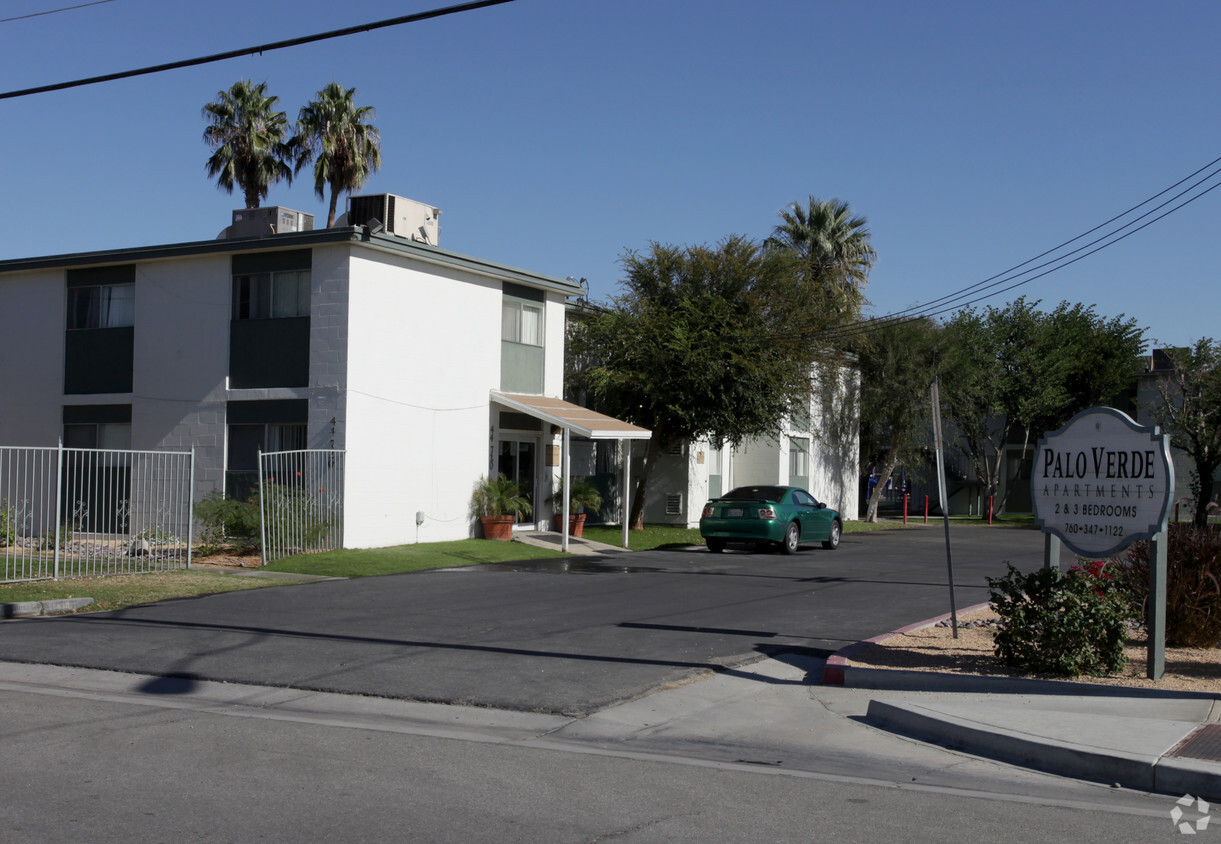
pixel 1055 264
pixel 54 11
pixel 984 285
pixel 262 48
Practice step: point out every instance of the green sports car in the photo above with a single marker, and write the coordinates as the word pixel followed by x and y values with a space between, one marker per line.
pixel 786 515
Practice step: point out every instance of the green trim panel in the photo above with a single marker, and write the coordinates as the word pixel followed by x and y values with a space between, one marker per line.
pixel 521 368
pixel 93 276
pixel 98 360
pixel 267 412
pixel 518 291
pixel 271 262
pixel 269 353
pixel 75 414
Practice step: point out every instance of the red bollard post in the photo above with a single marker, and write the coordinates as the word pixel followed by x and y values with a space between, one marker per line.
pixel 989 509
pixel 926 509
pixel 905 497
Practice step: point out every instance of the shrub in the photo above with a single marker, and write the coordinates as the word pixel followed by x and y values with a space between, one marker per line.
pixel 8 523
pixel 227 520
pixel 1069 623
pixel 1193 584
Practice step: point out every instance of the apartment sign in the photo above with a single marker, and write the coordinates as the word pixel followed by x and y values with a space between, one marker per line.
pixel 1102 482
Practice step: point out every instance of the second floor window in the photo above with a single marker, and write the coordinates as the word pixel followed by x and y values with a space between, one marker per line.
pixel 522 322
pixel 271 295
pixel 102 306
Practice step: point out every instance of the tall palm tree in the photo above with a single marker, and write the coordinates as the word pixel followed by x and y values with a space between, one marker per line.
pixel 248 139
pixel 833 248
pixel 333 133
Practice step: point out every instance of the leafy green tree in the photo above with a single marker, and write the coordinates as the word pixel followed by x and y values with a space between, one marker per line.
pixel 704 342
pixel 898 360
pixel 1189 410
pixel 249 141
pixel 336 135
pixel 834 251
pixel 1017 371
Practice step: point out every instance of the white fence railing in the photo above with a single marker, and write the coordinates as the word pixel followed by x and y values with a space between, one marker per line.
pixel 79 512
pixel 300 502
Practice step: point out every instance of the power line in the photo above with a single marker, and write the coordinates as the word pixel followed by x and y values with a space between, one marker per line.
pixel 1011 279
pixel 54 11
pixel 262 48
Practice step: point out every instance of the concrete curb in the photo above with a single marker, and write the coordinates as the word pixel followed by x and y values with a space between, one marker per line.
pixel 837 669
pixel 1060 758
pixel 32 609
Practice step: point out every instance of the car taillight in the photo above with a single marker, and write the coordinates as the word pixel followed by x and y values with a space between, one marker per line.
pixel 767 513
pixel 707 511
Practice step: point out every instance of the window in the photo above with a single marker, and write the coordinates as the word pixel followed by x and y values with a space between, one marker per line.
pixel 271 295
pixel 522 322
pixel 102 306
pixel 254 426
pixel 799 457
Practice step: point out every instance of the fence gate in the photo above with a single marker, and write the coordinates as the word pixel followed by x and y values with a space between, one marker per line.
pixel 300 502
pixel 85 512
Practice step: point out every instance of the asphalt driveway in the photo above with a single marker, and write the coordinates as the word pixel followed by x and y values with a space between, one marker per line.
pixel 566 636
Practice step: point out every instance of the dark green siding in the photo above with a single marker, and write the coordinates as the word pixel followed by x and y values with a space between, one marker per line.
pixel 98 360
pixel 269 353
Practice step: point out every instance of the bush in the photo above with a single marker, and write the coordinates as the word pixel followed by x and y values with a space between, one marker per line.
pixel 1069 624
pixel 8 524
pixel 1193 584
pixel 227 520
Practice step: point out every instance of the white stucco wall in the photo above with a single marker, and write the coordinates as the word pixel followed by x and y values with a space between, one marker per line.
pixel 423 355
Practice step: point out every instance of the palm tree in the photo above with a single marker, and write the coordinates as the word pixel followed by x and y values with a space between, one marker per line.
pixel 833 248
pixel 248 139
pixel 333 133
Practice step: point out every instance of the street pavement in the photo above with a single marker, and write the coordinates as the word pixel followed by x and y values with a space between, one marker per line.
pixel 677 652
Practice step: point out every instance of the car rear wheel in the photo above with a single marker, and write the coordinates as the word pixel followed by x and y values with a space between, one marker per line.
pixel 792 538
pixel 716 546
pixel 832 540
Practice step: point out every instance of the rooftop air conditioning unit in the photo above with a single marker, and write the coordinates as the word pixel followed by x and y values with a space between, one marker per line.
pixel 397 215
pixel 256 222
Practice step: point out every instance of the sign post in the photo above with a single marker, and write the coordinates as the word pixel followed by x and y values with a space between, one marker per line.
pixel 935 395
pixel 1099 484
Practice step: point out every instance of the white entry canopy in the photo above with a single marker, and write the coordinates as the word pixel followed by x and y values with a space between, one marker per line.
pixel 581 421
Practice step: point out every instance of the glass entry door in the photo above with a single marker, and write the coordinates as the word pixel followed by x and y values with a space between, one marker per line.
pixel 515 459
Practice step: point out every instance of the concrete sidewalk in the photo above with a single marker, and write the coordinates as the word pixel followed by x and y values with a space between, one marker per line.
pixel 582 546
pixel 1152 740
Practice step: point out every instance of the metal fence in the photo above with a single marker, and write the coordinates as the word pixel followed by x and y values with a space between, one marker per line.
pixel 78 512
pixel 300 502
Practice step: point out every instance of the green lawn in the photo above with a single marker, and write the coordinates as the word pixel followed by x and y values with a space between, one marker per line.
pixel 116 592
pixel 367 562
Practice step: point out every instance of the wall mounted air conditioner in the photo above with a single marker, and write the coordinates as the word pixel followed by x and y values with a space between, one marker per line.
pixel 397 215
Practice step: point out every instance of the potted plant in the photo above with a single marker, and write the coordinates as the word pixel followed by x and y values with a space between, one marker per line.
pixel 498 502
pixel 583 495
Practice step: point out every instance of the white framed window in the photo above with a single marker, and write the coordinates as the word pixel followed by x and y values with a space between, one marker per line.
pixel 799 457
pixel 271 295
pixel 521 322
pixel 102 306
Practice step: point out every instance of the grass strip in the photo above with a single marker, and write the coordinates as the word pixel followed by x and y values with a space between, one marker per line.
pixel 116 592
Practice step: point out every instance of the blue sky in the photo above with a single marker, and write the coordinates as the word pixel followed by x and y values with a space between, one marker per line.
pixel 556 134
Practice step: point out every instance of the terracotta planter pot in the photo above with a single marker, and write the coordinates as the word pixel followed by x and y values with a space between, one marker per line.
pixel 576 524
pixel 497 527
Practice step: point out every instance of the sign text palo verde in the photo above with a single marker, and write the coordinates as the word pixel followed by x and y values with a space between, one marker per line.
pixel 1102 482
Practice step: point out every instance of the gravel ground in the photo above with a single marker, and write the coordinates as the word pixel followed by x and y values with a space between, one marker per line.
pixel 935 649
